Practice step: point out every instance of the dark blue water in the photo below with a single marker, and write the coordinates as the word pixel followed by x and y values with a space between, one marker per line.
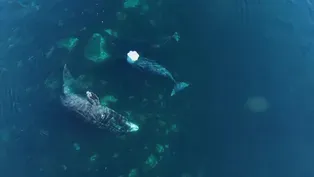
pixel 229 51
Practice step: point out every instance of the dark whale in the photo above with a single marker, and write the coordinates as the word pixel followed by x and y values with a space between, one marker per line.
pixel 91 111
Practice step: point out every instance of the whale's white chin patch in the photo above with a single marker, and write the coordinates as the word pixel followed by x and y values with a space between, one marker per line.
pixel 132 56
pixel 133 127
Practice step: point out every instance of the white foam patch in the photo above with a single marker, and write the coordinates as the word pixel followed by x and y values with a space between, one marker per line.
pixel 132 56
pixel 88 94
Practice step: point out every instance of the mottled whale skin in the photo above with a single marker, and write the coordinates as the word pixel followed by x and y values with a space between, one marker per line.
pixel 91 111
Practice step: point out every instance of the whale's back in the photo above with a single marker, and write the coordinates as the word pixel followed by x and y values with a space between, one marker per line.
pixel 93 112
pixel 79 105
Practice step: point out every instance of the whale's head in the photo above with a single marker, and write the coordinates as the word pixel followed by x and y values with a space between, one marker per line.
pixel 132 127
pixel 114 122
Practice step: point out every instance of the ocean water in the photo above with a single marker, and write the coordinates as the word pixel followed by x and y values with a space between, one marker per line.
pixel 248 111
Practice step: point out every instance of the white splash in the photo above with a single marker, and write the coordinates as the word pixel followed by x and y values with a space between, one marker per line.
pixel 132 57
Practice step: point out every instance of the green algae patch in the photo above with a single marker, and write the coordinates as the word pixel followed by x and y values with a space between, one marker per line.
pixel 68 43
pixel 95 50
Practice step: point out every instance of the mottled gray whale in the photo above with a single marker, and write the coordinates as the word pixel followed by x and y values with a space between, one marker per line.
pixel 90 109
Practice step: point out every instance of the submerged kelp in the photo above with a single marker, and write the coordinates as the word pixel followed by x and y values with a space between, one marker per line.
pixel 95 50
pixel 68 43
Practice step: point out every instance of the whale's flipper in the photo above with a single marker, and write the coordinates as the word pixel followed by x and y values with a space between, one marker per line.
pixel 92 98
pixel 67 80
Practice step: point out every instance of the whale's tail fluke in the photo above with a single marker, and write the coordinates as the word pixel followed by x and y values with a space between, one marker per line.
pixel 178 87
